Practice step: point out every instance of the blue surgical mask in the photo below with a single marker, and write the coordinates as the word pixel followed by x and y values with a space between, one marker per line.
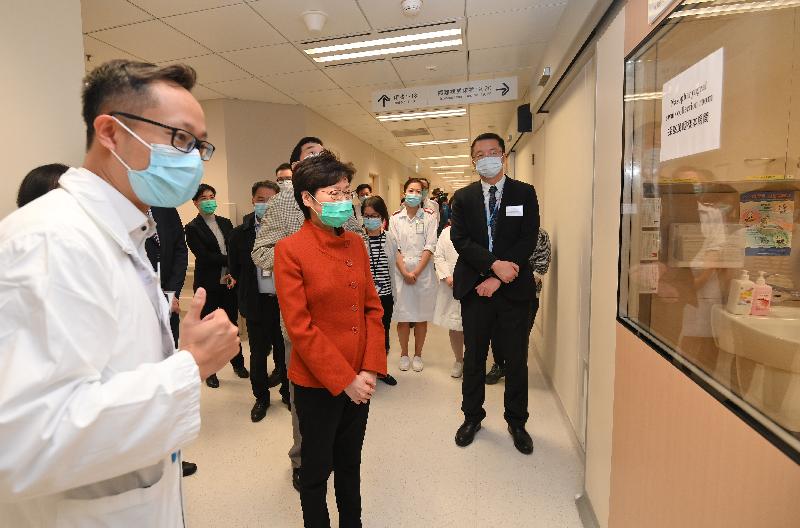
pixel 335 214
pixel 490 166
pixel 372 224
pixel 170 179
pixel 425 194
pixel 413 199
pixel 260 208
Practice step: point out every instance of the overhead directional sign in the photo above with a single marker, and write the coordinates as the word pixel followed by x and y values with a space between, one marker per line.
pixel 469 92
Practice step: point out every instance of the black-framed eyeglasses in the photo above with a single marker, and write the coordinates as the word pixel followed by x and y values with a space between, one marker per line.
pixel 182 140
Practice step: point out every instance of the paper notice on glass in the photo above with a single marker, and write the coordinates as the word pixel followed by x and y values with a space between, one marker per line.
pixel 651 212
pixel 648 278
pixel 691 109
pixel 651 245
pixel 768 217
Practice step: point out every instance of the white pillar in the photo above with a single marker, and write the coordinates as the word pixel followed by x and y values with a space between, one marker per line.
pixel 41 52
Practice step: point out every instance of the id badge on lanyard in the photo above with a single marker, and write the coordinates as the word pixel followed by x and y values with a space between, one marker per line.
pixel 420 228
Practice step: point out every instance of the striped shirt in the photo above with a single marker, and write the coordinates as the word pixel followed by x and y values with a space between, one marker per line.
pixel 540 260
pixel 379 264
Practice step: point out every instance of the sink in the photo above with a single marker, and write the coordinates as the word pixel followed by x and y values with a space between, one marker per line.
pixel 767 356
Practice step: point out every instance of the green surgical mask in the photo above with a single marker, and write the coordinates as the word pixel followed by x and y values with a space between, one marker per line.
pixel 335 214
pixel 208 206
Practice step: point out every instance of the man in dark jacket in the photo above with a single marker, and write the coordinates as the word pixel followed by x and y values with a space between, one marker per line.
pixel 258 302
pixel 207 236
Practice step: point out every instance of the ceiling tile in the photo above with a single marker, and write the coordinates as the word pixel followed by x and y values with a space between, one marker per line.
pixel 213 68
pixel 344 17
pixel 202 93
pixel 388 15
pixel 450 132
pixel 363 74
pixel 300 82
pixel 535 24
pixel 431 67
pixel 153 41
pixel 448 122
pixel 271 60
pixel 504 108
pixel 482 7
pixel 250 90
pixel 160 8
pixel 226 28
pixel 505 58
pixel 102 14
pixel 100 52
pixel 324 98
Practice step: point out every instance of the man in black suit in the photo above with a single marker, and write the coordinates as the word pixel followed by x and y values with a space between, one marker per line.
pixel 258 302
pixel 207 237
pixel 495 223
pixel 167 252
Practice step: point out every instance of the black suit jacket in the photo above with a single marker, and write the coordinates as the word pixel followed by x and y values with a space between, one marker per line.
pixel 515 239
pixel 209 259
pixel 170 251
pixel 242 268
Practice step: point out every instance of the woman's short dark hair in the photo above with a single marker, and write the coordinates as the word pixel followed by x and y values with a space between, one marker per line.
pixel 410 181
pixel 266 184
pixel 362 187
pixel 318 172
pixel 39 182
pixel 203 188
pixel 377 203
pixel 124 85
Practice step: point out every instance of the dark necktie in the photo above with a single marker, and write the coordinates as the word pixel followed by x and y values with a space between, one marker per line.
pixel 493 210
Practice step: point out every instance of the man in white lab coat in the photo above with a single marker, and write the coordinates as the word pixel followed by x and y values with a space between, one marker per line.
pixel 95 401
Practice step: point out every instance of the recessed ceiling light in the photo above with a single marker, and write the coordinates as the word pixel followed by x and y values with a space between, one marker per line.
pixel 427 114
pixel 451 167
pixel 384 41
pixel 436 142
pixel 449 172
pixel 445 157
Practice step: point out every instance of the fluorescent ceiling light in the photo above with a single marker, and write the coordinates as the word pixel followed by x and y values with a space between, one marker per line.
pixel 451 167
pixel 385 41
pixel 445 157
pixel 449 172
pixel 389 51
pixel 428 114
pixel 731 9
pixel 436 142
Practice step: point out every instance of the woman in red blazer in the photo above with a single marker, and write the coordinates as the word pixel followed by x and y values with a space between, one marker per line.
pixel 333 317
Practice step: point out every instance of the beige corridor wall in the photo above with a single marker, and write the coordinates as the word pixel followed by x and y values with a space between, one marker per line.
pixel 566 200
pixel 41 50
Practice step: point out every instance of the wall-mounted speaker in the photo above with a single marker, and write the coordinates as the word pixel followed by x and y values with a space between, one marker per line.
pixel 524 118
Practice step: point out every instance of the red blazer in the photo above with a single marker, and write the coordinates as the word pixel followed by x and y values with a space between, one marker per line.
pixel 330 307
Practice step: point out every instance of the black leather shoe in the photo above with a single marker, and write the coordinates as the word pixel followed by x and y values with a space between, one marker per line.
pixel 466 433
pixel 212 381
pixel 296 479
pixel 241 372
pixel 274 379
pixel 522 440
pixel 389 380
pixel 259 410
pixel 495 374
pixel 189 469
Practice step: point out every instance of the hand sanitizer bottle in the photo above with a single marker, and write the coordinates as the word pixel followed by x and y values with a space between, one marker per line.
pixel 740 295
pixel 762 296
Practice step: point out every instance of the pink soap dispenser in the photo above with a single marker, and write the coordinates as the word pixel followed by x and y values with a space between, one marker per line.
pixel 762 296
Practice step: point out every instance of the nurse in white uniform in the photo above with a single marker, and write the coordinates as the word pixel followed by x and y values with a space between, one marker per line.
pixel 448 308
pixel 413 233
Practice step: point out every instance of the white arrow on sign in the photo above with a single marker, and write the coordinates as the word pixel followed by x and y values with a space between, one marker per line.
pixel 470 92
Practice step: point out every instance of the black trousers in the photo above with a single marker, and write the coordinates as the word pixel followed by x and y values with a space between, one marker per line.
pixel 498 358
pixel 264 333
pixel 388 307
pixel 333 429
pixel 219 296
pixel 503 321
pixel 175 325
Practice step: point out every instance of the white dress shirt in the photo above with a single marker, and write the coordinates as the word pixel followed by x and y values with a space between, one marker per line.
pixel 94 400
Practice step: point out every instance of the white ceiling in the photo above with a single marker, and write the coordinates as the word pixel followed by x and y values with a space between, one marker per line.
pixel 253 50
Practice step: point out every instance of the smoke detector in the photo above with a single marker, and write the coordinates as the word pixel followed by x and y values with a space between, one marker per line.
pixel 411 8
pixel 315 20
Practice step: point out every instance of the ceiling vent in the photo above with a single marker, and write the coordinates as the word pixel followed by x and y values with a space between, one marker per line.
pixel 411 132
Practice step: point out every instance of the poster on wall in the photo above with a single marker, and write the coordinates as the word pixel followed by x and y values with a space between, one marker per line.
pixel 691 109
pixel 768 217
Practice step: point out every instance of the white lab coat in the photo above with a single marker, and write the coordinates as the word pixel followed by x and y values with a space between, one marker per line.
pixel 448 308
pixel 94 400
pixel 411 236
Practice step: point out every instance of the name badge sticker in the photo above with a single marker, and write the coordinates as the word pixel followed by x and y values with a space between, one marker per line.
pixel 266 273
pixel 514 210
pixel 420 228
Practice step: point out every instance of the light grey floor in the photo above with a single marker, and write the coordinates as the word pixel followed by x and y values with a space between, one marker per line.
pixel 413 475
